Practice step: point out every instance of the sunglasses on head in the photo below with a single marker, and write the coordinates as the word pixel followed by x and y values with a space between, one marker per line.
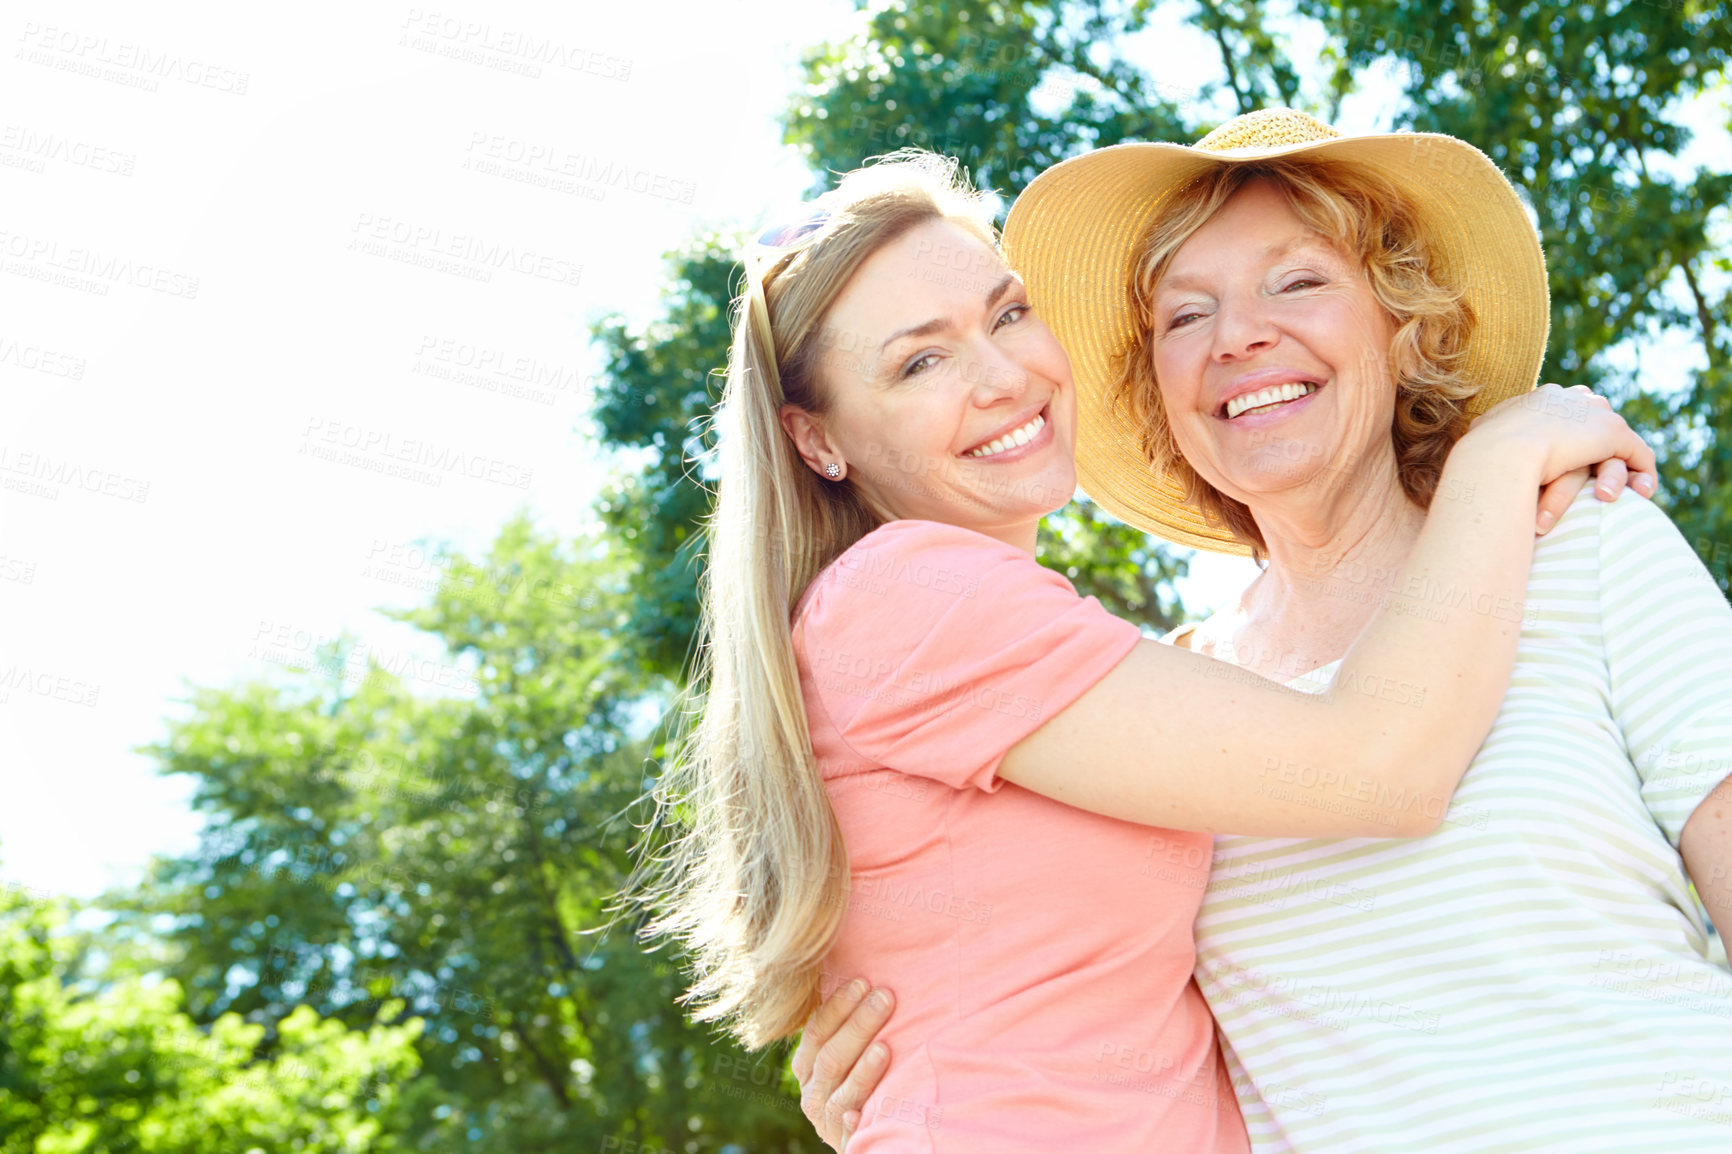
pixel 768 250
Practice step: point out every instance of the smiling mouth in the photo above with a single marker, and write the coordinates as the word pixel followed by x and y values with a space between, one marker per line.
pixel 1269 399
pixel 1018 436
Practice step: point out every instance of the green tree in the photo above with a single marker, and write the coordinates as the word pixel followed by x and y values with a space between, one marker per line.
pixel 457 854
pixel 118 1067
pixel 662 381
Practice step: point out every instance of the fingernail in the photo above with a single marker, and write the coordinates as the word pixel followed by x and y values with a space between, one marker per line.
pixel 1547 520
pixel 878 1052
pixel 857 989
pixel 880 1000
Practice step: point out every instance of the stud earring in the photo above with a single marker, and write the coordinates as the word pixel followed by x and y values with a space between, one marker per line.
pixel 832 470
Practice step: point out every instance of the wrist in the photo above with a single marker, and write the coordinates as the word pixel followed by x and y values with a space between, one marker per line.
pixel 1492 452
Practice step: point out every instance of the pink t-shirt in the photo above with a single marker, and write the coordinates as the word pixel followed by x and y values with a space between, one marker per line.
pixel 1041 955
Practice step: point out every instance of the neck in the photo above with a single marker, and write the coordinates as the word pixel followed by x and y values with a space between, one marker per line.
pixel 1019 535
pixel 1332 554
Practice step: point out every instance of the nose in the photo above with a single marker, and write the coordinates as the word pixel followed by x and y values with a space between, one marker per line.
pixel 1242 329
pixel 993 374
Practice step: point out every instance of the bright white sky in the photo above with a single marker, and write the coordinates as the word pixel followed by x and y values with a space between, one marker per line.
pixel 213 248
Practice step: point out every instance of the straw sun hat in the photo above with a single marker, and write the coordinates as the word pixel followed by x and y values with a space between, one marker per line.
pixel 1074 233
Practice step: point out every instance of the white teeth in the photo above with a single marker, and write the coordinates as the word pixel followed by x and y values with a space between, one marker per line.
pixel 1011 439
pixel 1274 395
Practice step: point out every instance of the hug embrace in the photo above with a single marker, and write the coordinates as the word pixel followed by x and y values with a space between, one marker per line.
pixel 1395 852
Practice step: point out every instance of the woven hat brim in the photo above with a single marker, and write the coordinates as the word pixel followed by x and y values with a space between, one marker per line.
pixel 1074 231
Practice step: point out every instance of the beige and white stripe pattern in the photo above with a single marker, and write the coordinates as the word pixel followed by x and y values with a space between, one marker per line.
pixel 1536 975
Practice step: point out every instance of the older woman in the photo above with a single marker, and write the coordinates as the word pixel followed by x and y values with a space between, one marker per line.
pixel 1535 974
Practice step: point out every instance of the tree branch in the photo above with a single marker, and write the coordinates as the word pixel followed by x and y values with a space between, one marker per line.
pixel 1339 83
pixel 1703 314
pixel 1079 63
pixel 1217 25
pixel 549 1073
pixel 548 898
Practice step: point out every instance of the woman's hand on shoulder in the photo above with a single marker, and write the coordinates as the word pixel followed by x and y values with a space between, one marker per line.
pixel 838 1064
pixel 1575 434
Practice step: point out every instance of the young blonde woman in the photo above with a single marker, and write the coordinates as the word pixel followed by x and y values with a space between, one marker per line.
pixel 922 757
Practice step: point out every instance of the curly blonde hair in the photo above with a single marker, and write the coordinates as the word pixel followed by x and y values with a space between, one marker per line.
pixel 1367 218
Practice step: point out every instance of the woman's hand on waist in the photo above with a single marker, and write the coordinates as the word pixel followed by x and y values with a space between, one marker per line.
pixel 838 1064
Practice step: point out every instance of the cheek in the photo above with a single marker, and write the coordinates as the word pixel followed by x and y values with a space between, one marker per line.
pixel 867 432
pixel 1177 377
pixel 1179 405
pixel 1043 356
pixel 922 421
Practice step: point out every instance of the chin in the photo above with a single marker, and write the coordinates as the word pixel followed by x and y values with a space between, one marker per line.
pixel 1291 463
pixel 1060 489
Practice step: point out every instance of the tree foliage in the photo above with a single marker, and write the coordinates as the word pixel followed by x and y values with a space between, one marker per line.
pixel 458 855
pixel 662 382
pixel 121 1067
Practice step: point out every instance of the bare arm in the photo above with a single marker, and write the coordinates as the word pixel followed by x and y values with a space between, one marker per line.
pixel 1707 850
pixel 1173 739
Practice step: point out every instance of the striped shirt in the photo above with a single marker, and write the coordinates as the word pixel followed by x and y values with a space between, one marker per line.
pixel 1536 974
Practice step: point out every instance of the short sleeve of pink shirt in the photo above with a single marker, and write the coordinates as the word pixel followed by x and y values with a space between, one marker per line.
pixel 935 649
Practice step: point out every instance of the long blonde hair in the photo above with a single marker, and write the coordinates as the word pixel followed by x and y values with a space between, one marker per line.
pixel 752 878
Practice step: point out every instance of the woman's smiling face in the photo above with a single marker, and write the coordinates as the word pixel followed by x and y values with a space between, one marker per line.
pixel 1272 353
pixel 948 399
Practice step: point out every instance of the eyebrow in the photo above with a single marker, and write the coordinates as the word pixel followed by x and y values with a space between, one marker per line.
pixel 1271 252
pixel 939 324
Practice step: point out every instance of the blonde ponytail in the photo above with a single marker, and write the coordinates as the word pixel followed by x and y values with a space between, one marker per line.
pixel 752 878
